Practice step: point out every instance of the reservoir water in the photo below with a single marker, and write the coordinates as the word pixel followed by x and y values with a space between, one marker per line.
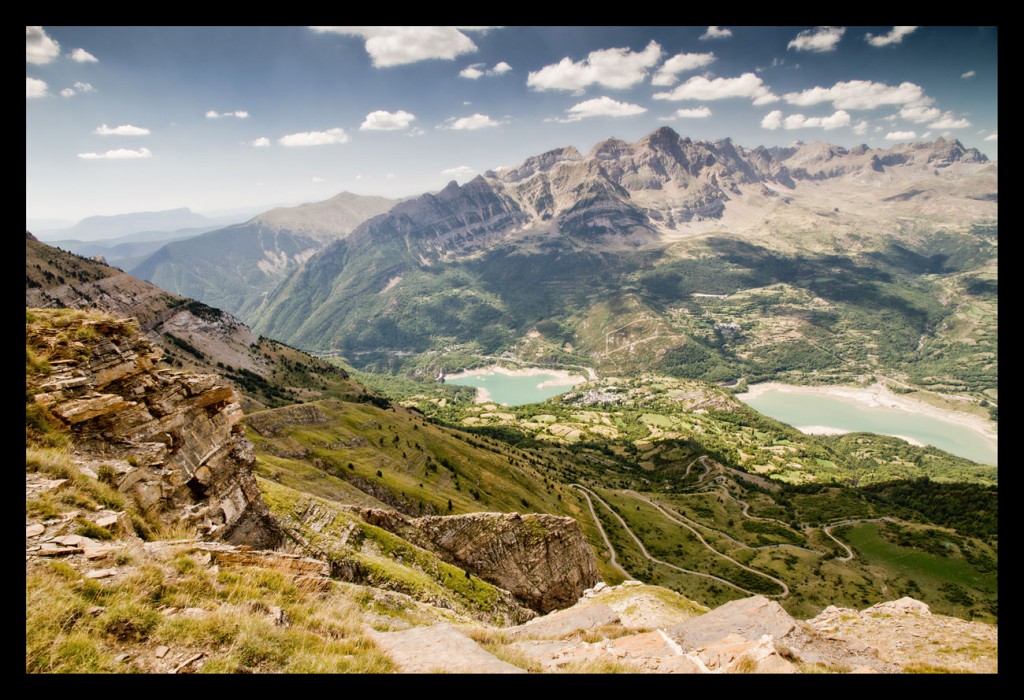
pixel 515 389
pixel 805 409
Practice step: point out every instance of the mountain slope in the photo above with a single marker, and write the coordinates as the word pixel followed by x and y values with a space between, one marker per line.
pixel 192 334
pixel 234 267
pixel 873 241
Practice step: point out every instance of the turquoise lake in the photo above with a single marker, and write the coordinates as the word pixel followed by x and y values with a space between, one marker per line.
pixel 513 390
pixel 799 409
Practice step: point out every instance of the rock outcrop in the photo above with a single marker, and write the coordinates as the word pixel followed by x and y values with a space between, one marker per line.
pixel 543 560
pixel 171 438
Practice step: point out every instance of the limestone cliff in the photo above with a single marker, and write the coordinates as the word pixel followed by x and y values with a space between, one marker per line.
pixel 543 560
pixel 172 438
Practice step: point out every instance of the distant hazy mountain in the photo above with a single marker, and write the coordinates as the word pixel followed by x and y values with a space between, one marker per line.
pixel 580 246
pixel 99 227
pixel 234 267
pixel 125 251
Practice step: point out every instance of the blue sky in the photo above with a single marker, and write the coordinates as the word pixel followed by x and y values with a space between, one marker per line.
pixel 126 119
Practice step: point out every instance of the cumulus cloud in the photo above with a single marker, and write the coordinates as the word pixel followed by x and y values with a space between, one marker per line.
pixel 471 123
pixel 396 46
pixel 968 74
pixel 35 88
pixel 39 47
pixel 900 136
pixel 601 107
pixel 992 137
pixel 123 130
pixel 701 88
pixel 82 56
pixel 861 94
pixel 67 92
pixel 314 138
pixel 861 127
pixel 387 121
pixel 948 121
pixel 715 33
pixel 118 154
pixel 84 87
pixel 895 36
pixel 612 68
pixel 479 70
pixel 237 114
pixel 774 120
pixel 820 39
pixel 920 114
pixel 460 171
pixel 680 63
pixel 695 113
pixel 261 142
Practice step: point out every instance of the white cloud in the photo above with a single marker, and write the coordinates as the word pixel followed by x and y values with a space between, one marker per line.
pixel 895 36
pixel 861 94
pixel 84 87
pixel 680 63
pixel 471 123
pixel 948 121
pixel 35 88
pixel 387 121
pixel 714 32
pixel 479 70
pixel 416 131
pixel 39 47
pixel 601 107
pixel 612 68
pixel 861 127
pixel 123 130
pixel 774 120
pixel 695 113
pixel 900 136
pixel 919 114
pixel 261 142
pixel 82 56
pixel 968 74
pixel 992 137
pixel 314 138
pixel 237 114
pixel 460 171
pixel 67 92
pixel 317 179
pixel 819 39
pixel 700 88
pixel 118 154
pixel 396 46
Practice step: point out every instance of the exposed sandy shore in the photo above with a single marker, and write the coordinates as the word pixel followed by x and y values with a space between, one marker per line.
pixel 561 377
pixel 877 396
pixel 826 430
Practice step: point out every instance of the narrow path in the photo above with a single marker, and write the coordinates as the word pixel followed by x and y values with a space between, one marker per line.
pixel 647 555
pixel 785 588
pixel 827 529
pixel 600 528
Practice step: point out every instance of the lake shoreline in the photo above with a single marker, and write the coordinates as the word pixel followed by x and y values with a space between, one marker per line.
pixel 876 395
pixel 559 378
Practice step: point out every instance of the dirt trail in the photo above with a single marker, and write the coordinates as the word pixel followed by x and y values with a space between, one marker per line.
pixel 600 528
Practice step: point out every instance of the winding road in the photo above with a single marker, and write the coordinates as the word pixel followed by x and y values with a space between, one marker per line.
pixel 600 528
pixel 827 529
pixel 648 556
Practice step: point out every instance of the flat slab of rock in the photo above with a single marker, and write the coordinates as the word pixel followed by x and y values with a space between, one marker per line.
pixel 558 624
pixel 439 648
pixel 749 618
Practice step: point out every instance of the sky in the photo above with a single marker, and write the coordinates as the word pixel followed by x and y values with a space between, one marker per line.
pixel 132 119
